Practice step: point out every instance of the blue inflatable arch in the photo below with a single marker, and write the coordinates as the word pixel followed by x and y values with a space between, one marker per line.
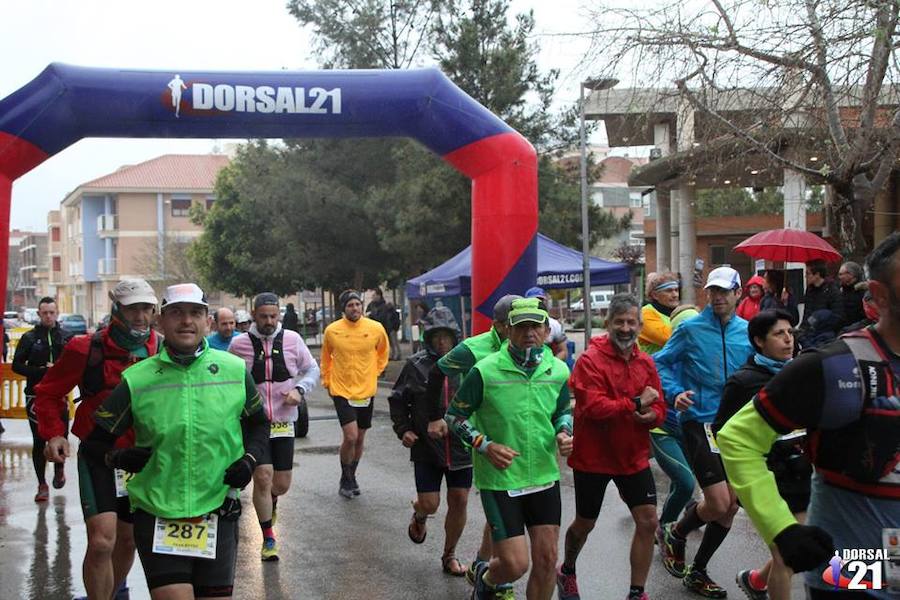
pixel 67 103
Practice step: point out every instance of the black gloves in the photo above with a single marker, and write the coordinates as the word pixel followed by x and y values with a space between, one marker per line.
pixel 131 460
pixel 804 547
pixel 239 474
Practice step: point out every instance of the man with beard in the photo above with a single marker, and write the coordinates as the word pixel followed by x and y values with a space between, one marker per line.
pixel 284 372
pixel 693 366
pixel 522 416
pixel 355 351
pixel 95 362
pixel 846 397
pixel 618 399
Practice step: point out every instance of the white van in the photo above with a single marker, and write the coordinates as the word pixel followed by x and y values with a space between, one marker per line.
pixel 599 301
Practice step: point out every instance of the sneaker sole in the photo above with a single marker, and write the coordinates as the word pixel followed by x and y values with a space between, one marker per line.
pixel 269 558
pixel 751 593
pixel 722 594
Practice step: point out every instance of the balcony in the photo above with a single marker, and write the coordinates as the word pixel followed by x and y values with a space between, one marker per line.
pixel 106 267
pixel 107 225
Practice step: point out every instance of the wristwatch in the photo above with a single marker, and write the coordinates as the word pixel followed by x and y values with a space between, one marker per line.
pixel 637 403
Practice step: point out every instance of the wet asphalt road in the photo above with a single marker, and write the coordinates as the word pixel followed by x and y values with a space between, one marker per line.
pixel 331 548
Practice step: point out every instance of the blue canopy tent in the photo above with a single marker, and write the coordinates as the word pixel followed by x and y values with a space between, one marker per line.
pixel 558 267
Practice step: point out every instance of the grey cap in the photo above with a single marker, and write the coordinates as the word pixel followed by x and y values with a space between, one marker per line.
pixel 265 299
pixel 503 306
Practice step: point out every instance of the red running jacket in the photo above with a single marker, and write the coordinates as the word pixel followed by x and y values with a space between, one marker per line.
pixel 608 439
pixel 68 372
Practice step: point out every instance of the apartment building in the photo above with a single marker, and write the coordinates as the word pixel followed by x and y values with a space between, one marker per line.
pixel 33 259
pixel 133 222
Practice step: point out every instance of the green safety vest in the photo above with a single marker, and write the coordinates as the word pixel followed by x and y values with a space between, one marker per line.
pixel 483 344
pixel 517 411
pixel 191 417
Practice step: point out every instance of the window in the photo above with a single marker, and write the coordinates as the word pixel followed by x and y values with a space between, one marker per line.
pixel 717 255
pixel 636 200
pixel 209 202
pixel 54 234
pixel 181 207
pixel 57 264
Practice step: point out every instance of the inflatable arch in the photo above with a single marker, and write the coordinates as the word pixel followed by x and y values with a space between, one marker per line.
pixel 66 103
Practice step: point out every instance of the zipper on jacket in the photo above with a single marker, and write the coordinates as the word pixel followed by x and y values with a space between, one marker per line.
pixel 724 351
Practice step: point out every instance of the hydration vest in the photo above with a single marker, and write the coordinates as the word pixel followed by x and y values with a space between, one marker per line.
pixel 279 367
pixel 863 455
pixel 93 379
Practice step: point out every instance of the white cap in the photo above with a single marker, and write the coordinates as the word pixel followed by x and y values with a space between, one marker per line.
pixel 184 293
pixel 723 277
pixel 133 291
pixel 242 316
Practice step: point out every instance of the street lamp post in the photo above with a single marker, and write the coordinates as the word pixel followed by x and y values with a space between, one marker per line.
pixel 595 85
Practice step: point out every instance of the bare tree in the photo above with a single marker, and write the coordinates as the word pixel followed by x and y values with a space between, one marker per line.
pixel 807 84
pixel 165 262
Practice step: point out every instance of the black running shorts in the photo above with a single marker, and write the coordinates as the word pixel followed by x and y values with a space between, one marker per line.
pixel 97 487
pixel 348 414
pixel 211 578
pixel 279 453
pixel 706 464
pixel 636 489
pixel 429 477
pixel 509 516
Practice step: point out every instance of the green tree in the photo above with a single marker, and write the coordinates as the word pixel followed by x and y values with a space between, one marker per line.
pixel 279 225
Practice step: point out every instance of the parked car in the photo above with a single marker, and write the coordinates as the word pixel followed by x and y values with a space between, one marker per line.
pixel 73 323
pixel 11 319
pixel 599 301
pixel 30 316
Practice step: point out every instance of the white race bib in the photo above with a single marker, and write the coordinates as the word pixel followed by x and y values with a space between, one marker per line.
pixel 195 538
pixel 281 429
pixel 122 479
pixel 530 490
pixel 710 438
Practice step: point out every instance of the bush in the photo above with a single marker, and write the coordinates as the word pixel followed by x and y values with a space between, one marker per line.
pixel 596 323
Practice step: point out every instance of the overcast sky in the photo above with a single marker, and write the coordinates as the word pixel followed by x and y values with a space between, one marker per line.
pixel 183 36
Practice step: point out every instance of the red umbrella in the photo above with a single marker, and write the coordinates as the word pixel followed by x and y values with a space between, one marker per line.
pixel 788 245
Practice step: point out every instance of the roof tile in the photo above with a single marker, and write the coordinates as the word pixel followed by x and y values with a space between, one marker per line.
pixel 169 171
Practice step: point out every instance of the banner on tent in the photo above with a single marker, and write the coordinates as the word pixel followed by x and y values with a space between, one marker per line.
pixel 559 279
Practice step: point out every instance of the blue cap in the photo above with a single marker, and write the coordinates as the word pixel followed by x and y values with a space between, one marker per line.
pixel 536 292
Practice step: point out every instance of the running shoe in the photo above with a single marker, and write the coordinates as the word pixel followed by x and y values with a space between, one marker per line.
pixel 505 592
pixel 699 582
pixel 43 493
pixel 481 591
pixel 470 572
pixel 59 476
pixel 566 585
pixel 743 581
pixel 354 487
pixel 269 550
pixel 641 596
pixel 122 593
pixel 345 489
pixel 672 550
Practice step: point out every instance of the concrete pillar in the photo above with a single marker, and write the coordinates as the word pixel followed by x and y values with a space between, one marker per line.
pixel 674 236
pixel 663 229
pixel 687 250
pixel 794 200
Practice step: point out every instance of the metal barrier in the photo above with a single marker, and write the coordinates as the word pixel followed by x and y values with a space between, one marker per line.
pixel 12 395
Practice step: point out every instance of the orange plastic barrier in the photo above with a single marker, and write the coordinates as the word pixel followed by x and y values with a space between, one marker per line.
pixel 12 394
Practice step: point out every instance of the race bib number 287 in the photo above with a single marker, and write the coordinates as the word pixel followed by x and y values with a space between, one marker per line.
pixel 186 537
